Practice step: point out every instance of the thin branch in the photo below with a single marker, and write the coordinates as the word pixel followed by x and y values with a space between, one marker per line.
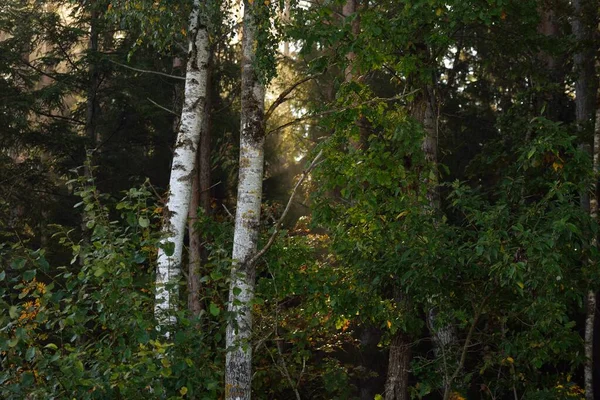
pixel 207 189
pixel 145 71
pixel 282 98
pixel 312 116
pixel 73 120
pixel 465 348
pixel 162 107
pixel 286 210
pixel 229 213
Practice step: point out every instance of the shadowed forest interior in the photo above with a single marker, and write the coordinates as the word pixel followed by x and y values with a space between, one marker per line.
pixel 294 199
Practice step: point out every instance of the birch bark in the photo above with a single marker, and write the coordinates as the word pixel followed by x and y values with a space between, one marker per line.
pixel 238 367
pixel 168 271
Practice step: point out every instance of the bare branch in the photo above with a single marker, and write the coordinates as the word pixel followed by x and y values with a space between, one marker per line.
pixel 161 107
pixel 286 210
pixel 282 98
pixel 317 115
pixel 145 71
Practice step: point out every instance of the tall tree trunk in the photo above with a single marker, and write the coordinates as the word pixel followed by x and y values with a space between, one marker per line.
pixel 396 384
pixel 584 24
pixel 591 297
pixel 200 198
pixel 91 113
pixel 350 8
pixel 194 252
pixel 168 271
pixel 443 336
pixel 238 368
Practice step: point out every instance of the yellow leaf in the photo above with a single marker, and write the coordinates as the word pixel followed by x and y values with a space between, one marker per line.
pixel 438 11
pixel 510 360
pixel 389 324
pixel 556 166
pixel 521 285
pixel 183 390
pixel 402 214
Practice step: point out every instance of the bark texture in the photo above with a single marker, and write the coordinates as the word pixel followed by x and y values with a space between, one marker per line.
pixel 238 368
pixel 168 272
pixel 194 253
pixel 200 199
pixel 584 23
pixel 398 367
pixel 591 297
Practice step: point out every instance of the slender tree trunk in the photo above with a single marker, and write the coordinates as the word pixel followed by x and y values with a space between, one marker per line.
pixel 168 270
pixel 591 297
pixel 443 336
pixel 350 8
pixel 194 253
pixel 238 368
pixel 200 199
pixel 584 23
pixel 93 82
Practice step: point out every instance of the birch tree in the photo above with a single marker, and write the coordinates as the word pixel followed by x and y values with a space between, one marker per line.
pixel 583 25
pixel 241 292
pixel 168 271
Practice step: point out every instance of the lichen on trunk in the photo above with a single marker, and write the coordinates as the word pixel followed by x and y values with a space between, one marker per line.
pixel 238 368
pixel 168 271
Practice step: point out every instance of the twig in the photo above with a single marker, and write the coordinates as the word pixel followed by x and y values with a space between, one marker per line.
pixel 207 189
pixel 286 210
pixel 161 107
pixel 230 214
pixel 145 71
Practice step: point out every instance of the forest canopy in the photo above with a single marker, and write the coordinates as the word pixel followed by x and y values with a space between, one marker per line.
pixel 292 199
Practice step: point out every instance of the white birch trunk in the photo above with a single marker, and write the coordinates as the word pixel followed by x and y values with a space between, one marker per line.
pixel 238 367
pixel 168 270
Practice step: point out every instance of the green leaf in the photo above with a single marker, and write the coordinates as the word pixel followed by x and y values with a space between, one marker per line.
pixel 13 311
pixel 51 346
pixel 2 275
pixel 29 275
pixel 18 263
pixel 214 309
pixel 27 379
pixel 168 247
pixel 30 354
pixel 144 222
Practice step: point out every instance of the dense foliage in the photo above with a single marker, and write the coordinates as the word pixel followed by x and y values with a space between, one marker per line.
pixel 486 239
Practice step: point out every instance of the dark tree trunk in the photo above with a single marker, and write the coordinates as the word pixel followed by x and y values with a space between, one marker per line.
pixel 396 384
